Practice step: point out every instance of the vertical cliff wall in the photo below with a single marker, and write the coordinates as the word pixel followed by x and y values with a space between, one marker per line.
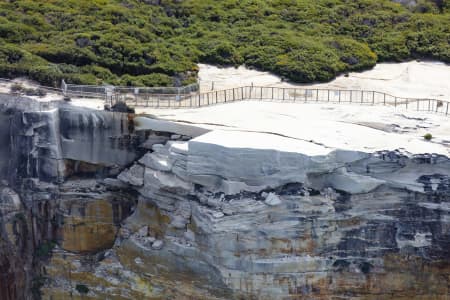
pixel 50 160
pixel 92 208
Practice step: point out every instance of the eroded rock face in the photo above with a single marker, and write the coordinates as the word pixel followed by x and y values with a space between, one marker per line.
pixel 13 246
pixel 90 225
pixel 351 225
pixel 160 215
pixel 47 198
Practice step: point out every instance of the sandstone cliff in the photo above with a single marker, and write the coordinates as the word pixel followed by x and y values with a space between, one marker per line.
pixel 94 207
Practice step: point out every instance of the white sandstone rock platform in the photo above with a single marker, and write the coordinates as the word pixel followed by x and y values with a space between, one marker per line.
pixel 316 128
pixel 281 126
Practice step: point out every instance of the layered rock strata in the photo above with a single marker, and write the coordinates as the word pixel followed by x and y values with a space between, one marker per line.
pixel 101 205
pixel 304 222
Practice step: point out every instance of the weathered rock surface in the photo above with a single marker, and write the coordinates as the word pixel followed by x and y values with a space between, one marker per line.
pixel 225 215
pixel 311 223
pixel 50 157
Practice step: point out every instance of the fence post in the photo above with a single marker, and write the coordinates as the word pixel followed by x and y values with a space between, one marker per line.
pixel 446 112
pixel 216 98
pixel 351 96
pixel 63 87
pixel 225 95
pixel 429 104
pixel 317 95
pixel 295 94
pixel 234 99
pixel 339 96
pixel 328 95
pixel 362 96
pixel 199 104
pixel 283 93
pixel 406 103
pixel 373 96
pixel 242 93
pixel 384 99
pixel 306 95
pixel 272 93
pixel 395 102
pixel 260 96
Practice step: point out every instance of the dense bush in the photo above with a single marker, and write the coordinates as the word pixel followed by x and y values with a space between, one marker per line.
pixel 82 289
pixel 135 42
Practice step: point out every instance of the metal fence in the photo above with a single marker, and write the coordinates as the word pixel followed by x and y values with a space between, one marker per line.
pixel 120 92
pixel 293 95
pixel 189 97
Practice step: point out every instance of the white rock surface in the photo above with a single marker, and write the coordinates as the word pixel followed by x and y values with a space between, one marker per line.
pixel 133 175
pixel 235 161
pixel 351 127
pixel 272 199
pixel 156 161
pixel 157 245
pixel 348 182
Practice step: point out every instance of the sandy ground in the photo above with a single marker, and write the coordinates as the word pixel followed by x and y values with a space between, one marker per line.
pixel 351 127
pixel 410 79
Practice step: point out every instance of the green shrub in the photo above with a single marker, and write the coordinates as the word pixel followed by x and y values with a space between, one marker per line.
pixel 18 88
pixel 134 43
pixel 82 289
pixel 45 248
pixel 428 136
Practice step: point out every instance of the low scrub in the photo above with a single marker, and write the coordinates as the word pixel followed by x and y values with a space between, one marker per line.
pixel 159 43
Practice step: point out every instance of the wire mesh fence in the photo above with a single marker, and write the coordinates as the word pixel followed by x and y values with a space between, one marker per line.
pixel 108 91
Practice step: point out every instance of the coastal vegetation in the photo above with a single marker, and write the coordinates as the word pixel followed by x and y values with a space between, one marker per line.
pixel 160 42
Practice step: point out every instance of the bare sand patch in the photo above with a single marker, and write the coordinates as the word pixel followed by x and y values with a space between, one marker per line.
pixel 409 79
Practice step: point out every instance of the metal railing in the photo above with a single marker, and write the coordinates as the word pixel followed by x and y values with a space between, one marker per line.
pixel 107 91
pixel 293 95
pixel 146 97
